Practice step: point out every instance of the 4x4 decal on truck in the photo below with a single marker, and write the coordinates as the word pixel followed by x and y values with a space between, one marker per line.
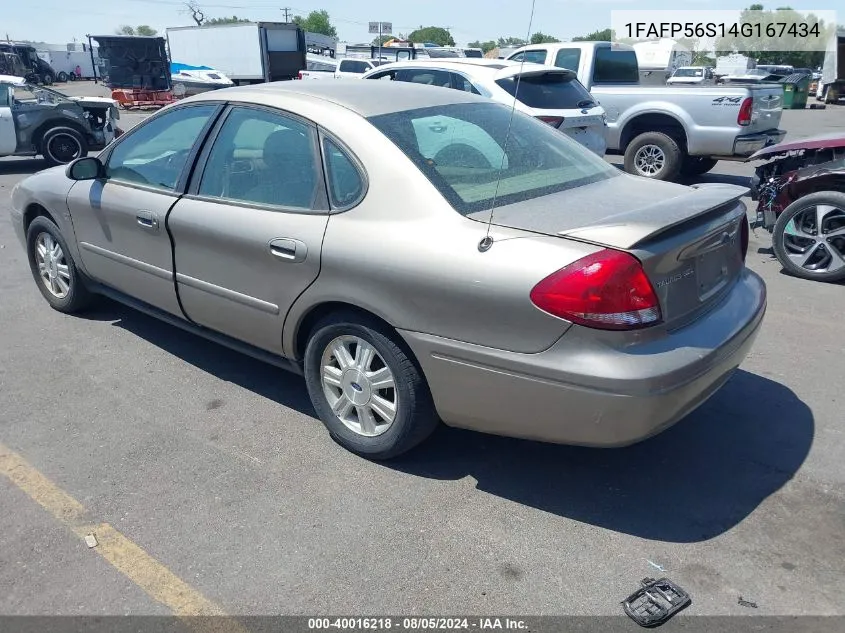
pixel 726 100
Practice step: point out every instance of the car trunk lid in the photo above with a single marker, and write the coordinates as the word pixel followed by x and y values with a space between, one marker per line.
pixel 689 239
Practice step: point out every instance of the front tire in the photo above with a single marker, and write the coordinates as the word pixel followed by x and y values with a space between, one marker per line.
pixel 53 268
pixel 809 237
pixel 368 392
pixel 62 145
pixel 62 77
pixel 654 155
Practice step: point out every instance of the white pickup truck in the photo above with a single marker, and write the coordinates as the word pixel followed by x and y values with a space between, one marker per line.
pixel 321 67
pixel 667 131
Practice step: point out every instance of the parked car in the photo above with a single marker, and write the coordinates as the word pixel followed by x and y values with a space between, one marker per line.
pixel 321 67
pixel 418 254
pixel 800 193
pixel 691 76
pixel 550 94
pixel 35 120
pixel 667 131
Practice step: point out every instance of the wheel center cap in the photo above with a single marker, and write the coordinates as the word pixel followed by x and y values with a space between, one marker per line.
pixel 356 387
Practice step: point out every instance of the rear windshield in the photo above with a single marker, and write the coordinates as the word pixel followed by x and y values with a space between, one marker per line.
pixel 615 66
pixel 549 92
pixel 466 152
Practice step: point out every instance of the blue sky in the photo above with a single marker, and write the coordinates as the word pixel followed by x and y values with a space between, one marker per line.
pixel 59 21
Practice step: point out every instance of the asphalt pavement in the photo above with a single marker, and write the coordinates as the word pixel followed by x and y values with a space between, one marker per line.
pixel 215 469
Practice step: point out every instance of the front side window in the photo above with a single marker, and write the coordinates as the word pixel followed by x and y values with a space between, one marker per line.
pixel 157 152
pixel 262 157
pixel 472 153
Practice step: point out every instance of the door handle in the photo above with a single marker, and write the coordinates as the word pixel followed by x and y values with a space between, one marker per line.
pixel 147 220
pixel 288 250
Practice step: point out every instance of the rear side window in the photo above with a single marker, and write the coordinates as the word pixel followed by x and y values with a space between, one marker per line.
pixel 615 66
pixel 353 66
pixel 462 83
pixel 320 66
pixel 549 92
pixel 568 58
pixel 345 183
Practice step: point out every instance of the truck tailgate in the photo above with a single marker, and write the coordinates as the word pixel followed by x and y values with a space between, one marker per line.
pixel 766 109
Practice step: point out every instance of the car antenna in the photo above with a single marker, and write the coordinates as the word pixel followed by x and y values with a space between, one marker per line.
pixel 487 241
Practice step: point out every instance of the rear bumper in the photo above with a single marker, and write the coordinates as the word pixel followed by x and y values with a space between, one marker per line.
pixel 748 145
pixel 585 391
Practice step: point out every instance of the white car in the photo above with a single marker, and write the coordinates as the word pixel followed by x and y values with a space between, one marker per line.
pixel 321 67
pixel 690 76
pixel 551 94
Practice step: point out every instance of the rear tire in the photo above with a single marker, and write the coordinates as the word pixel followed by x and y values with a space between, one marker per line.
pixel 791 248
pixel 62 145
pixel 654 155
pixel 697 165
pixel 62 77
pixel 53 268
pixel 347 358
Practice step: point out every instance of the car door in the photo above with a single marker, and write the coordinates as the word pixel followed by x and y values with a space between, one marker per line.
pixel 8 138
pixel 120 219
pixel 247 236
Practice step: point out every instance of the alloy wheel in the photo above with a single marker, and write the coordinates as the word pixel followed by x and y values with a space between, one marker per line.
pixel 814 239
pixel 53 268
pixel 359 386
pixel 649 160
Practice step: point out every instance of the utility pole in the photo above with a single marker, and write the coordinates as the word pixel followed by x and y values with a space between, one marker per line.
pixel 287 13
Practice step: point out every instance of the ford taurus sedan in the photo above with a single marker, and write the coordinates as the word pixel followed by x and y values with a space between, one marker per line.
pixel 418 254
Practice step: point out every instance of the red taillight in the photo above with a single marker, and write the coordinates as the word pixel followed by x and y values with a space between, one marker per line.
pixel 554 121
pixel 744 116
pixel 743 236
pixel 607 290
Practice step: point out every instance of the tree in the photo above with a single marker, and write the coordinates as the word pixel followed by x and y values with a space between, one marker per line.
pixel 485 47
pixel 143 30
pixel 605 35
pixel 783 48
pixel 434 34
pixel 316 22
pixel 233 20
pixel 542 38
pixel 196 12
pixel 510 41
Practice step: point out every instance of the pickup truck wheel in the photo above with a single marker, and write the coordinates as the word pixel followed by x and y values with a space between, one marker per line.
pixel 809 237
pixel 61 145
pixel 53 268
pixel 371 396
pixel 653 155
pixel 696 165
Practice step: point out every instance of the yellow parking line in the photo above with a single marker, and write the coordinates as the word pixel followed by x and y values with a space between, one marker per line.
pixel 121 553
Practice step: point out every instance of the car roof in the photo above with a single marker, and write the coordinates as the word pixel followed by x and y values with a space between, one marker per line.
pixel 366 98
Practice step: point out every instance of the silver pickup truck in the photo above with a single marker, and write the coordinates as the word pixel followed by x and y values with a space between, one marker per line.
pixel 671 131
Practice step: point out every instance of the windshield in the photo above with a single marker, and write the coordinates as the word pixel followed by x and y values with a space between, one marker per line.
pixel 689 72
pixel 30 93
pixel 462 149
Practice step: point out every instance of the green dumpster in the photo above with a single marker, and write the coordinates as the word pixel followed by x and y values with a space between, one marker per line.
pixel 796 88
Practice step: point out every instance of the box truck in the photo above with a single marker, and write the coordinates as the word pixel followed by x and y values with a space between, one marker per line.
pixel 247 53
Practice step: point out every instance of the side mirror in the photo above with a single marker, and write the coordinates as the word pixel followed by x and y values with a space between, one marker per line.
pixel 86 168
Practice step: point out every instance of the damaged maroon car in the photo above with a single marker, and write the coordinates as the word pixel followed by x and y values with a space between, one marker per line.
pixel 800 193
